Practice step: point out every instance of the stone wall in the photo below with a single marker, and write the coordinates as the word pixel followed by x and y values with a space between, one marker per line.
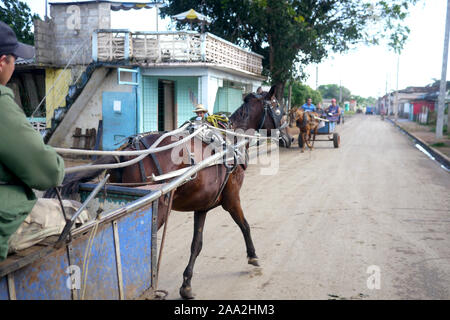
pixel 44 41
pixel 69 32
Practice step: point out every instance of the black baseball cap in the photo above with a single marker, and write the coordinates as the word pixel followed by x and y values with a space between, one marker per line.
pixel 10 45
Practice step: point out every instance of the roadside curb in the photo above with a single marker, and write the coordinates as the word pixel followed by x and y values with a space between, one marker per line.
pixel 439 156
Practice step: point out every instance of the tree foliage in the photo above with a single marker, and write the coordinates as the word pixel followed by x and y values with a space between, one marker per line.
pixel 18 16
pixel 437 83
pixel 293 33
pixel 301 92
pixel 363 102
pixel 330 91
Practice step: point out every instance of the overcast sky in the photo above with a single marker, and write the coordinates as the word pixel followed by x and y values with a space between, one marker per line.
pixel 364 70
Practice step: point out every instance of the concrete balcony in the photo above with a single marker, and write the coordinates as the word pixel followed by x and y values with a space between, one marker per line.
pixel 149 48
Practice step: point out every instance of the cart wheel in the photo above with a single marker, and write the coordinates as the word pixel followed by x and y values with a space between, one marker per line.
pixel 300 141
pixel 336 140
pixel 285 140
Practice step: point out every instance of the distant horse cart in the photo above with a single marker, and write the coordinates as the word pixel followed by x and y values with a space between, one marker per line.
pixel 311 125
pixel 328 131
pixel 113 256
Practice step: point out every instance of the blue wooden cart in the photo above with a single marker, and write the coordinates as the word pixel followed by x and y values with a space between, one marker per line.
pixel 328 130
pixel 122 262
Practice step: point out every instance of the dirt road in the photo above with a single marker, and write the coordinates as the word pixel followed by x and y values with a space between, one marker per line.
pixel 327 218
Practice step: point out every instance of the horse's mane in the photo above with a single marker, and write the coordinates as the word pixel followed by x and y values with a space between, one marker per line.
pixel 243 112
pixel 249 96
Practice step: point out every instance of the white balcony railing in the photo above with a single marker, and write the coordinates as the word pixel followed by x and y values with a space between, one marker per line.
pixel 172 46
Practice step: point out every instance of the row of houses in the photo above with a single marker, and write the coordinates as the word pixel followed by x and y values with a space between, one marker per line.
pixel 414 103
pixel 86 75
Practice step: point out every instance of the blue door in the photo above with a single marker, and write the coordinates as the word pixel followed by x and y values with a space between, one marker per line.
pixel 119 118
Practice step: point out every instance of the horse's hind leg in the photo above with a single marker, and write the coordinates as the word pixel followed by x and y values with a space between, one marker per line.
pixel 305 141
pixel 196 247
pixel 314 138
pixel 308 139
pixel 233 206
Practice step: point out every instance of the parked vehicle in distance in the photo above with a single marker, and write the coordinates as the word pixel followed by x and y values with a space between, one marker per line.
pixel 369 110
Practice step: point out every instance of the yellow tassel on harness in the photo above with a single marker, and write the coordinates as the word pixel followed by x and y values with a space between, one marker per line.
pixel 218 121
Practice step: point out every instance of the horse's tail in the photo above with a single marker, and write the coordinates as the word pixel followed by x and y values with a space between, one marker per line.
pixel 72 181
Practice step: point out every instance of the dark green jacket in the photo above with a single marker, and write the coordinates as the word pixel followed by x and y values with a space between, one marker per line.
pixel 25 163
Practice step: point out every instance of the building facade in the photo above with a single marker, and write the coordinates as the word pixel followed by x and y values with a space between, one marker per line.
pixel 133 81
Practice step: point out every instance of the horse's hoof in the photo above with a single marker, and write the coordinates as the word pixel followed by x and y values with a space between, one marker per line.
pixel 186 293
pixel 253 262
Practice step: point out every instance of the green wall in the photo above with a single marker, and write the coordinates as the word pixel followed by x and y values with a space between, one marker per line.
pixel 186 93
pixel 228 99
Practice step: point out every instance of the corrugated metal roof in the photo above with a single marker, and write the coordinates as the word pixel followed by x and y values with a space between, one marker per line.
pixel 21 61
pixel 116 5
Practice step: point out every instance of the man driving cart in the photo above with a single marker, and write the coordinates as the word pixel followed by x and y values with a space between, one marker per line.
pixel 333 112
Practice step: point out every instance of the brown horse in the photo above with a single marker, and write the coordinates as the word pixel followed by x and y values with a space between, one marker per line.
pixel 307 123
pixel 208 190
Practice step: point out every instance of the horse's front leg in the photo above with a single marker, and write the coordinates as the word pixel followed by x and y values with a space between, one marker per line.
pixel 196 247
pixel 233 206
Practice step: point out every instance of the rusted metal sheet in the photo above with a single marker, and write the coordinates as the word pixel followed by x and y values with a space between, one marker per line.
pixel 118 260
pixel 101 281
pixel 44 279
pixel 4 288
pixel 135 234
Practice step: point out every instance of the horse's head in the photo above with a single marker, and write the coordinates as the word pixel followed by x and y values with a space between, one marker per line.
pixel 259 112
pixel 292 116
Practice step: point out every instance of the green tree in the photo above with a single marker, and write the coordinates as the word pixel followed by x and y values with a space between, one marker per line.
pixel 301 92
pixel 330 91
pixel 362 102
pixel 437 83
pixel 292 33
pixel 18 16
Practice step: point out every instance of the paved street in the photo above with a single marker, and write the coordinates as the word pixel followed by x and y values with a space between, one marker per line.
pixel 377 202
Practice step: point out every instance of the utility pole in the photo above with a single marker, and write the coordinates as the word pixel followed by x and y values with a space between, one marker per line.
pixel 443 88
pixel 290 95
pixel 386 108
pixel 317 77
pixel 340 91
pixel 157 17
pixel 396 91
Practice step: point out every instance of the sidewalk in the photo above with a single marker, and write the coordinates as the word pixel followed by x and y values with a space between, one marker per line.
pixel 427 134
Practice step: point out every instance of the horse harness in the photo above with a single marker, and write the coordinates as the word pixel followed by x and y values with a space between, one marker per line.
pixel 276 116
pixel 137 141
